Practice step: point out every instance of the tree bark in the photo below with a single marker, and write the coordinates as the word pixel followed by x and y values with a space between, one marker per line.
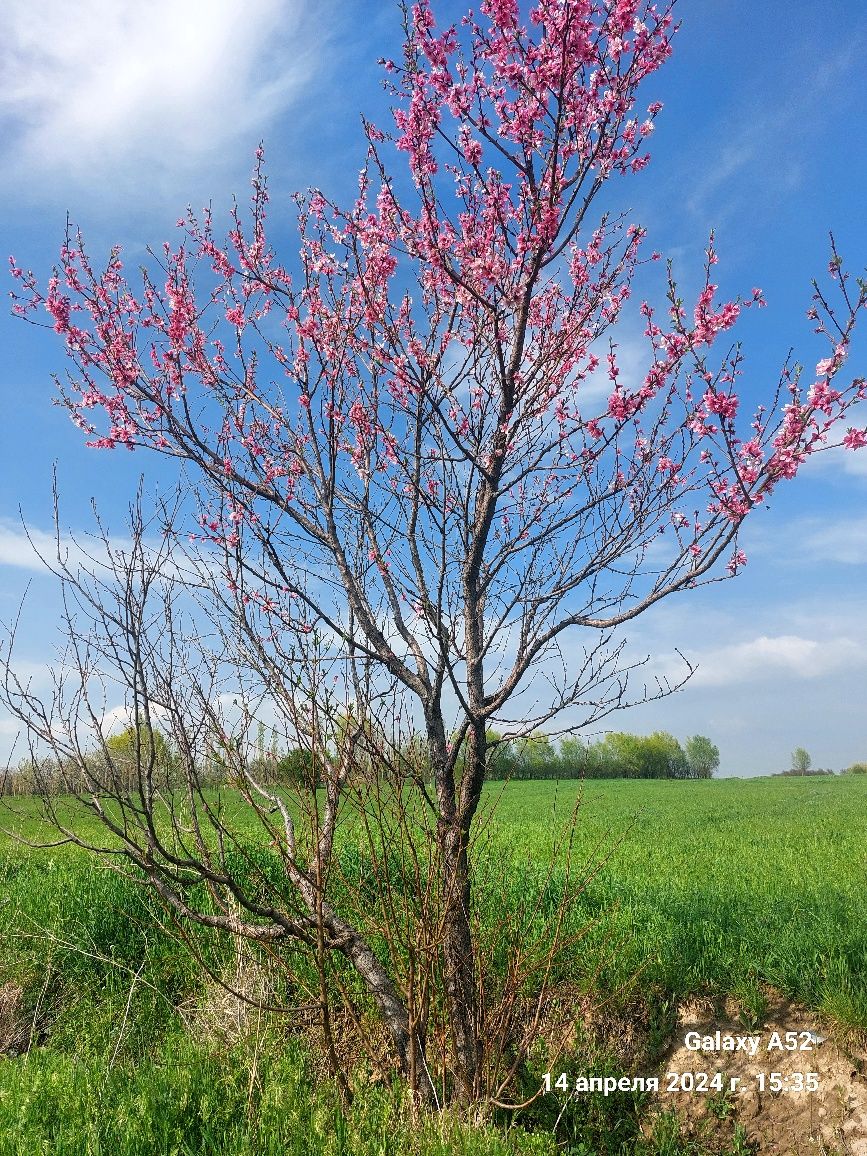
pixel 460 964
pixel 391 1007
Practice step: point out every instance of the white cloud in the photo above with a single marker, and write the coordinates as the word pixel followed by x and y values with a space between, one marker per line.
pixel 89 553
pixel 633 354
pixel 840 460
pixel 21 551
pixel 33 549
pixel 769 658
pixel 803 542
pixel 844 541
pixel 117 719
pixel 103 91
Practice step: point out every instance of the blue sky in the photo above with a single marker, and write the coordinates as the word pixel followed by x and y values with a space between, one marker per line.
pixel 123 114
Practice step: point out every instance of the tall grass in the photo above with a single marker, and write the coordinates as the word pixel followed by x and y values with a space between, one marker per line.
pixel 191 1101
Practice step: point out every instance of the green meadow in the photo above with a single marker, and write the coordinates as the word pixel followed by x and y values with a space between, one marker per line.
pixel 117 1043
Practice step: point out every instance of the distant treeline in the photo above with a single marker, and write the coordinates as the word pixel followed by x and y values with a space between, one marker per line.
pixel 798 773
pixel 537 756
pixel 145 753
pixel 616 756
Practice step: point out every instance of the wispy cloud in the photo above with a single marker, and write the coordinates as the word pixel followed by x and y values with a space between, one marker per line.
pixel 100 93
pixel 768 658
pixel 840 460
pixel 90 553
pixel 33 549
pixel 23 551
pixel 836 540
pixel 760 146
pixel 842 541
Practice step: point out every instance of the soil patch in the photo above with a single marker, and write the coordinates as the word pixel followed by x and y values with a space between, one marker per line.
pixel 790 1101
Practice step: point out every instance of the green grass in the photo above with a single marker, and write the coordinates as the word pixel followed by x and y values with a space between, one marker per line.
pixel 192 1101
pixel 713 887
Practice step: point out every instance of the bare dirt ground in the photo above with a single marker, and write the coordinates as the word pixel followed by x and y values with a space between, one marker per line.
pixel 831 1121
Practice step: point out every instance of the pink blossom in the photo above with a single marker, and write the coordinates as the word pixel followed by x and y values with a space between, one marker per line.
pixel 823 397
pixel 723 404
pixel 619 406
pixel 737 560
pixel 830 365
pixel 58 305
pixel 855 439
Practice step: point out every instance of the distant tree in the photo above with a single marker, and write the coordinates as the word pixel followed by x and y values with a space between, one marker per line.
pixel 573 758
pixel 31 776
pixel 856 769
pixel 702 757
pixel 296 768
pixel 801 761
pixel 656 756
pixel 134 749
pixel 535 757
pixel 502 759
pixel 662 757
pixel 620 752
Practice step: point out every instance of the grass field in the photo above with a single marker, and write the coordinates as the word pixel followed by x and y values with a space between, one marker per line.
pixel 718 888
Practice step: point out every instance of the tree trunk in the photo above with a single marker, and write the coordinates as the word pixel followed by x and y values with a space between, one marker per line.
pixel 392 1009
pixel 460 965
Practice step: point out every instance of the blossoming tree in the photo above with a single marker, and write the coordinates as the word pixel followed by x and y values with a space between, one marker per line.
pixel 400 431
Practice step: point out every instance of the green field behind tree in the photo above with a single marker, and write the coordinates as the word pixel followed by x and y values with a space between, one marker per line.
pixel 716 887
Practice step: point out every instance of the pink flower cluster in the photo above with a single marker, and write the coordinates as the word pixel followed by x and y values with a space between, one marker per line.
pixel 446 329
